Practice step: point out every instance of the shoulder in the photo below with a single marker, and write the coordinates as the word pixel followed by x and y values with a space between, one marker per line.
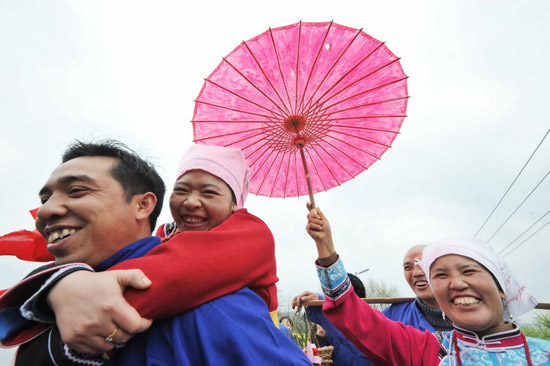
pixel 244 220
pixel 399 308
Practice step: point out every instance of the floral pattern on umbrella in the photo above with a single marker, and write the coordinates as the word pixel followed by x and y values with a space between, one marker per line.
pixel 332 92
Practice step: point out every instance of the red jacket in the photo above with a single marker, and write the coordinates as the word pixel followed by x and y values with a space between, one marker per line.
pixel 194 267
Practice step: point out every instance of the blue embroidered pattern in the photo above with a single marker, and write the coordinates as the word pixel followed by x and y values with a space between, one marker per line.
pixel 334 280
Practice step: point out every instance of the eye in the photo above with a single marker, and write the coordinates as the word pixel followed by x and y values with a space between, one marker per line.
pixel 44 199
pixel 77 190
pixel 439 275
pixel 211 192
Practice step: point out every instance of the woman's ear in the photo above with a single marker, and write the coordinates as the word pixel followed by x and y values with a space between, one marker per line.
pixel 233 207
pixel 502 295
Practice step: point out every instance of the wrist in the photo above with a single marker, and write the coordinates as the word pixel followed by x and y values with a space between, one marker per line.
pixel 328 260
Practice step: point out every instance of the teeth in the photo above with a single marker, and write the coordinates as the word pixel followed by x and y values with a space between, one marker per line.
pixel 466 301
pixel 421 283
pixel 194 219
pixel 66 232
pixel 53 237
pixel 60 235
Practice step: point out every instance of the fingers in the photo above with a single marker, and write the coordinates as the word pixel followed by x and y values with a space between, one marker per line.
pixel 300 300
pixel 129 320
pixel 132 278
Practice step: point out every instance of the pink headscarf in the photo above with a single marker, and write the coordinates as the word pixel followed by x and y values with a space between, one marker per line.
pixel 226 163
pixel 518 299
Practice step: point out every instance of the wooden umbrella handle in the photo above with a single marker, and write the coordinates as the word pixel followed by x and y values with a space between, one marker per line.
pixel 399 300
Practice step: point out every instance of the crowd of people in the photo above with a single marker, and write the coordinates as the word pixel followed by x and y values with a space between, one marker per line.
pixel 202 290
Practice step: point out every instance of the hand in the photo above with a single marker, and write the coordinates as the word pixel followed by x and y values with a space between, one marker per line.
pixel 298 301
pixel 318 228
pixel 88 306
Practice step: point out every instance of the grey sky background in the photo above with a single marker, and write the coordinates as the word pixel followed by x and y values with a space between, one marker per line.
pixel 130 70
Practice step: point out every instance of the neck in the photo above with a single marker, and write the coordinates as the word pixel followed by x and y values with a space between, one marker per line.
pixel 434 316
pixel 496 329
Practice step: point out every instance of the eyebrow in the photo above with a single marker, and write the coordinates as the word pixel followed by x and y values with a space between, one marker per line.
pixel 206 185
pixel 68 179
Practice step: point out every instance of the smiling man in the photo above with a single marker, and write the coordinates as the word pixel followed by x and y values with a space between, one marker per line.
pixel 424 312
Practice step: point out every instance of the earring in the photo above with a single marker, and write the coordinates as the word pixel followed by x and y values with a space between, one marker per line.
pixel 443 315
pixel 507 310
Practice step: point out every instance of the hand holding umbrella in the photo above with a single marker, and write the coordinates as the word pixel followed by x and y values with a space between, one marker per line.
pixel 318 228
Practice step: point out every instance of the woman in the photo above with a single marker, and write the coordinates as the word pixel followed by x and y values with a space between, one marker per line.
pixel 473 287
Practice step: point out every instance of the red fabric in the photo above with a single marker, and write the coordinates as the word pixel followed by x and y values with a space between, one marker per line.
pixel 194 267
pixel 380 339
pixel 26 245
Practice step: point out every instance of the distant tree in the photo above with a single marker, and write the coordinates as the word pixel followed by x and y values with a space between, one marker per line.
pixel 378 288
pixel 540 328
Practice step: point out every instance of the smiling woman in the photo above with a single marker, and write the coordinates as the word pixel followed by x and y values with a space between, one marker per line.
pixel 474 288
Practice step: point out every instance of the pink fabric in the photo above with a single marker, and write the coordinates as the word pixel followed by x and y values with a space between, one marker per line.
pixel 226 163
pixel 348 89
pixel 380 339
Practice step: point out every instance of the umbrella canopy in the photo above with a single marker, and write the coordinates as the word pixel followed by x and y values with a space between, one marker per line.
pixel 330 93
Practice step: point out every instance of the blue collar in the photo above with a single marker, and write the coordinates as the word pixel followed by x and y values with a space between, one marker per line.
pixel 135 250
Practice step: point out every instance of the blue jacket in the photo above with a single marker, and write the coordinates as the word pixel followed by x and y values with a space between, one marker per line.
pixel 235 329
pixel 408 314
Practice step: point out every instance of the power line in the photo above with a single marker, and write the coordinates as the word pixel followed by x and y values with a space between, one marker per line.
pixel 517 246
pixel 517 208
pixel 526 230
pixel 505 193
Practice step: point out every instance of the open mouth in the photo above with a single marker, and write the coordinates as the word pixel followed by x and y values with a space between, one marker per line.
pixel 421 284
pixel 193 220
pixel 60 234
pixel 466 301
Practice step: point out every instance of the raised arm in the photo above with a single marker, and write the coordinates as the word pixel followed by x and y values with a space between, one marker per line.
pixel 381 340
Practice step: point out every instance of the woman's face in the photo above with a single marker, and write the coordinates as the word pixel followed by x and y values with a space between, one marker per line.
pixel 467 292
pixel 200 201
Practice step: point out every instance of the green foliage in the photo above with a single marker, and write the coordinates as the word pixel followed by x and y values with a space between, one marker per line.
pixel 540 328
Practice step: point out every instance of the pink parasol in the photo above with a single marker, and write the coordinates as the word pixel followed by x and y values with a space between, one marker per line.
pixel 311 105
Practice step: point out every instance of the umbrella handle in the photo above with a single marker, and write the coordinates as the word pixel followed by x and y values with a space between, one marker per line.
pixel 306 171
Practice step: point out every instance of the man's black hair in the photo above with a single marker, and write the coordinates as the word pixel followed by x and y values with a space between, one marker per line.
pixel 358 286
pixel 135 175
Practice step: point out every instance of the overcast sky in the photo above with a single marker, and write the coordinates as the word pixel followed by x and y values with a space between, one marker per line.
pixel 130 70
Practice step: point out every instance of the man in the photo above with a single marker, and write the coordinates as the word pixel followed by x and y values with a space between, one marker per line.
pixel 423 313
pixel 90 215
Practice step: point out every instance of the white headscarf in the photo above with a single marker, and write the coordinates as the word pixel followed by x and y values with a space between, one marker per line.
pixel 518 299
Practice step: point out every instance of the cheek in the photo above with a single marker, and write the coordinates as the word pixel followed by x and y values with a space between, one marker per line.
pixel 175 202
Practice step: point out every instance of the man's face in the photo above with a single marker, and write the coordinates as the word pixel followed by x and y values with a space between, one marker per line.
pixel 84 214
pixel 416 278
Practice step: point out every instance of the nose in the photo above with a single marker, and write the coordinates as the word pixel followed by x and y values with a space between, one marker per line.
pixel 192 201
pixel 54 207
pixel 457 283
pixel 418 271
